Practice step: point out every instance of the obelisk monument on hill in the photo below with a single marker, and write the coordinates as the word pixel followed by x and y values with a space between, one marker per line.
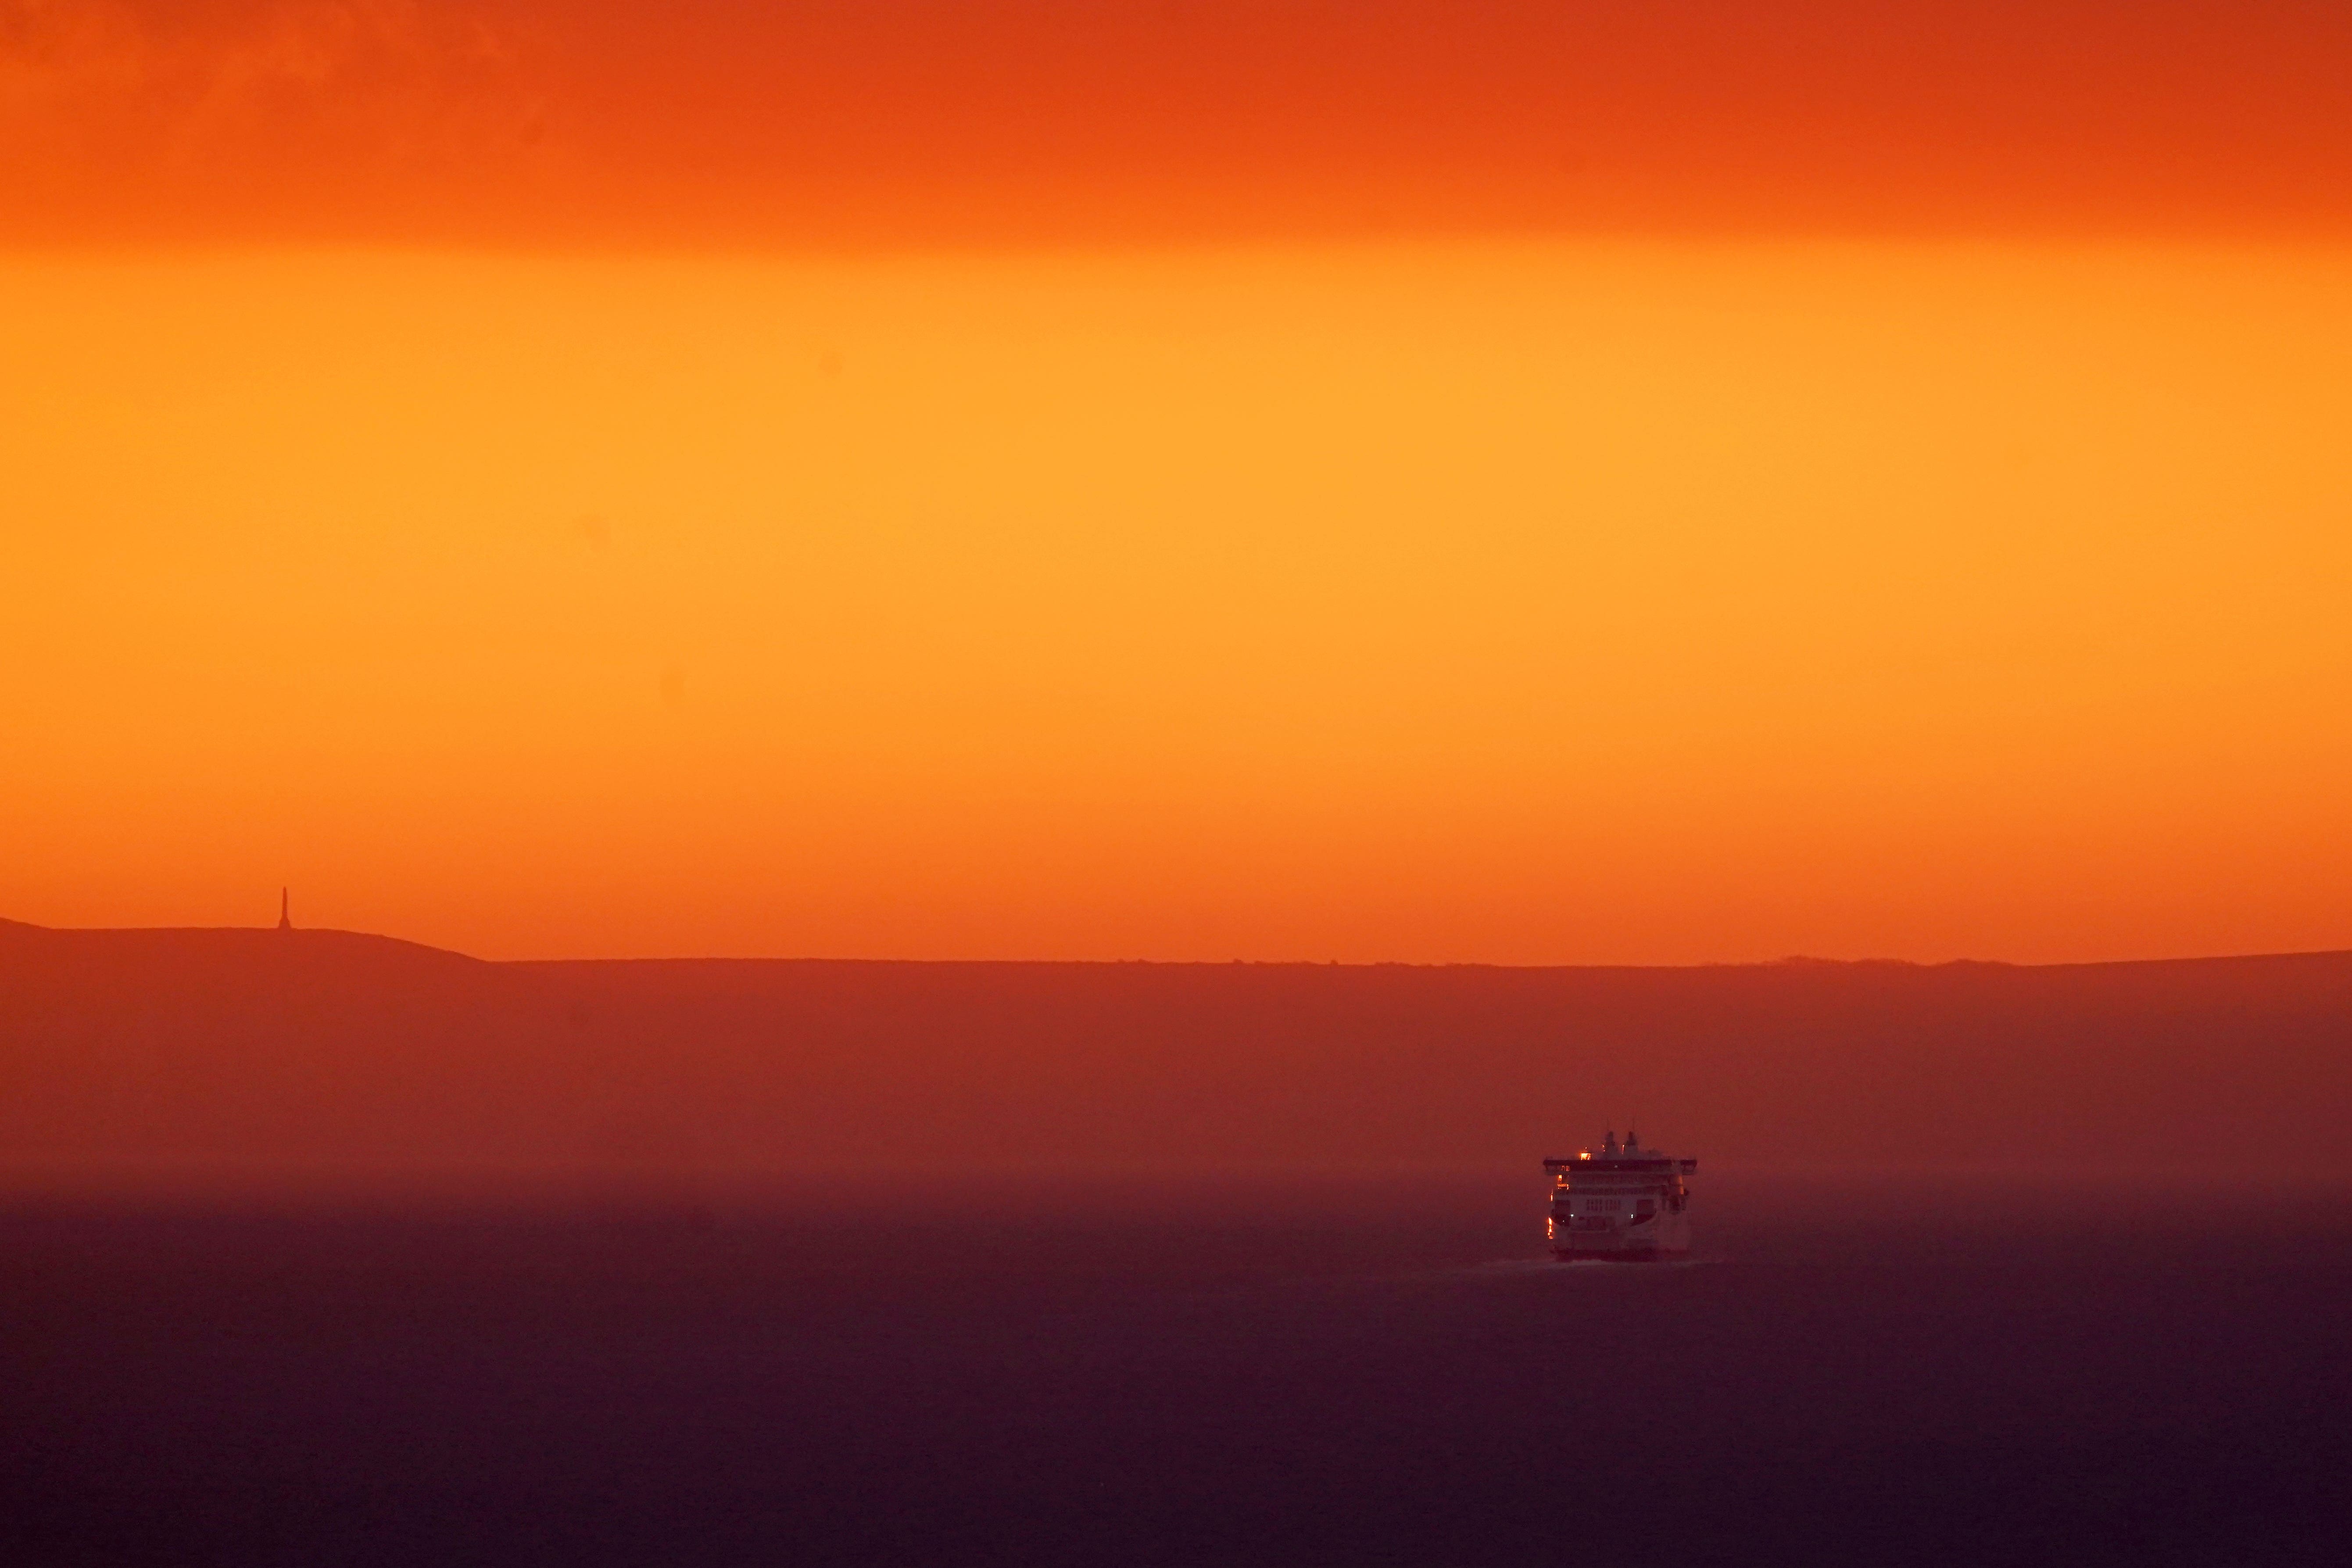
pixel 285 912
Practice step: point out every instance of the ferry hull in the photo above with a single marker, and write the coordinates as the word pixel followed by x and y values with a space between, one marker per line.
pixel 1673 1242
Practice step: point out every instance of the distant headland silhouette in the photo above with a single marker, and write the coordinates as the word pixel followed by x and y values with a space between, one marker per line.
pixel 146 1049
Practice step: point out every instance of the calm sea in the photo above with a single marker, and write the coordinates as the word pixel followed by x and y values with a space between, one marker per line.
pixel 1338 1373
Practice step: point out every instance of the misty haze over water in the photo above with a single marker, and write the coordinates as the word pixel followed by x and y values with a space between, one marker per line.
pixel 321 1248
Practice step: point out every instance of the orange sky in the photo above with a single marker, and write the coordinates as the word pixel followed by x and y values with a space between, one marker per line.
pixel 855 122
pixel 1538 483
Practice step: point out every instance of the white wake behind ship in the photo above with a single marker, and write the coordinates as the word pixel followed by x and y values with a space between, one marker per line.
pixel 1622 1202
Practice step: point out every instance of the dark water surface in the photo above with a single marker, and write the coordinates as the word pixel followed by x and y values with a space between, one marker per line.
pixel 1323 1373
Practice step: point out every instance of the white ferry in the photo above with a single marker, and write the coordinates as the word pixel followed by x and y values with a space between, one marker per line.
pixel 1623 1203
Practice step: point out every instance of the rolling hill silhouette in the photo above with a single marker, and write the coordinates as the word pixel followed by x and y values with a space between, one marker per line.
pixel 164 1055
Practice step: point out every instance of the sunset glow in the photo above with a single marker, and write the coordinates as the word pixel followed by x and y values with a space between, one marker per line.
pixel 1059 482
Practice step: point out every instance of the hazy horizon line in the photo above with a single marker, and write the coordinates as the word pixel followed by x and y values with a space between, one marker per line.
pixel 1797 960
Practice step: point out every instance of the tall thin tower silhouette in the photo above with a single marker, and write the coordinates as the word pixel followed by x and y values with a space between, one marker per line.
pixel 285 912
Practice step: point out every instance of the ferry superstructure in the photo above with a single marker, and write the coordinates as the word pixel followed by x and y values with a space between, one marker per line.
pixel 1622 1202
